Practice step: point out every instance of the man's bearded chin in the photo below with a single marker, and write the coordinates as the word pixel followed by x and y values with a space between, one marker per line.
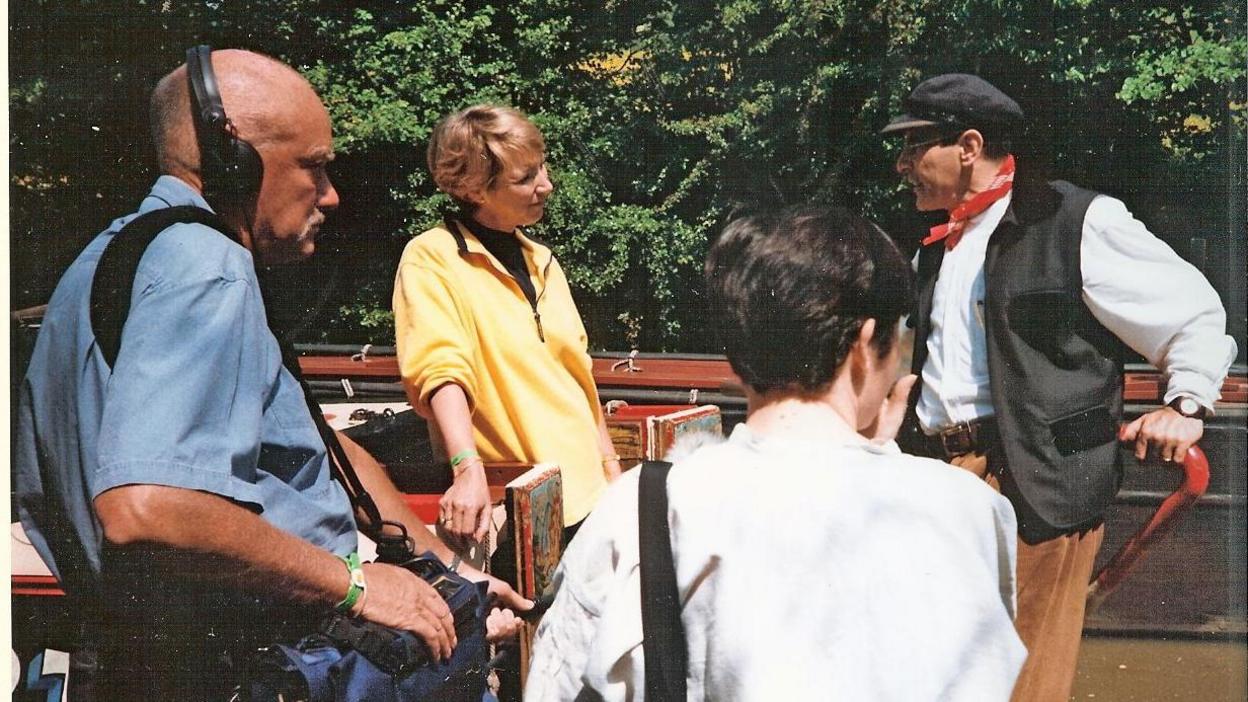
pixel 310 229
pixel 303 244
pixel 271 250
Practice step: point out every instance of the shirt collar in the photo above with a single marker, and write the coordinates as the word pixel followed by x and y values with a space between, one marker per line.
pixel 482 231
pixel 171 191
pixel 168 191
pixel 744 436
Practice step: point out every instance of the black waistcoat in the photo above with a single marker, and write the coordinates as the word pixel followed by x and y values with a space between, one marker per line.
pixel 1055 372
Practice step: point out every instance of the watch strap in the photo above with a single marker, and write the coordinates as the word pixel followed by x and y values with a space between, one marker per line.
pixel 1189 407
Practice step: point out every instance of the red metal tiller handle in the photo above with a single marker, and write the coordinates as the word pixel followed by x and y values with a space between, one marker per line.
pixel 1195 482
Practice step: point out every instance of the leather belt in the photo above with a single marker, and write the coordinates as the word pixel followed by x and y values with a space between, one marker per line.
pixel 975 436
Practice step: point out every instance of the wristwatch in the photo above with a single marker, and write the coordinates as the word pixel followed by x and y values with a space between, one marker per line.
pixel 1189 407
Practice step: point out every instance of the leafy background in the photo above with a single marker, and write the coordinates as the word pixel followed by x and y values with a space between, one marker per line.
pixel 661 117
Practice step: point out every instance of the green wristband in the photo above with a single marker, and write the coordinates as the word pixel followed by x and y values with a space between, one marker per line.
pixel 356 587
pixel 461 457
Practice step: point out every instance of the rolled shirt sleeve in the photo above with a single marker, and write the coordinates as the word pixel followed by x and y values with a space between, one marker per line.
pixel 431 336
pixel 1155 302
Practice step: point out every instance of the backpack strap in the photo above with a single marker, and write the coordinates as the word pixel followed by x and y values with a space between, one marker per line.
pixel 342 469
pixel 113 285
pixel 663 633
pixel 394 651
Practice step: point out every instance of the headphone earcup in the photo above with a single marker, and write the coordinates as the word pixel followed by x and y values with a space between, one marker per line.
pixel 245 171
pixel 233 175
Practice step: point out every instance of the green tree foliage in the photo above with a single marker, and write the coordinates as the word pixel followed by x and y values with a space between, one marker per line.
pixel 661 118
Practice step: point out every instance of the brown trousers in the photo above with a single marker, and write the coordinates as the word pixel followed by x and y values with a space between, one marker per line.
pixel 1052 579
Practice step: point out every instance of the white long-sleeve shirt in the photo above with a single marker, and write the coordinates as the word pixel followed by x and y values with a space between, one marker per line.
pixel 1133 283
pixel 807 570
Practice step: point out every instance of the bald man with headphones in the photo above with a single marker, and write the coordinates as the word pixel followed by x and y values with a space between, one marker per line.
pixel 174 479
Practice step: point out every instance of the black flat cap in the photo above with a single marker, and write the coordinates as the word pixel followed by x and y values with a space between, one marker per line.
pixel 958 100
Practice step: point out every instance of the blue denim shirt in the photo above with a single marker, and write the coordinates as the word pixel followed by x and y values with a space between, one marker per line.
pixel 198 399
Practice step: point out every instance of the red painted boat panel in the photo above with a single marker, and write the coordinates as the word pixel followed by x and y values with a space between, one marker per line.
pixel 706 374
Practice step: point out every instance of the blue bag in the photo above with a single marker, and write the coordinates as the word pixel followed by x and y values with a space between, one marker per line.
pixel 352 660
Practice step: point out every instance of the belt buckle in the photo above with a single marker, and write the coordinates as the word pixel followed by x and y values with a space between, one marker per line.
pixel 957 440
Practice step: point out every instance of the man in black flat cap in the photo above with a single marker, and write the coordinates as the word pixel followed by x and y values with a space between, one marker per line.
pixel 1027 300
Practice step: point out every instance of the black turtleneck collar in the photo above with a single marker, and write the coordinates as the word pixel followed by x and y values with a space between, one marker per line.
pixel 481 231
pixel 506 247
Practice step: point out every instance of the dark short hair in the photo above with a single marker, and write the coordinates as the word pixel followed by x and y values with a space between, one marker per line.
pixel 996 147
pixel 792 289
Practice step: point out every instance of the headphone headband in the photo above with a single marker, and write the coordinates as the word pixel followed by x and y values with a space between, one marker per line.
pixel 211 111
pixel 230 168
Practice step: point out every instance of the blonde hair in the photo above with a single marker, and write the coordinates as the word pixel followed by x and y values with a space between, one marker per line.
pixel 468 149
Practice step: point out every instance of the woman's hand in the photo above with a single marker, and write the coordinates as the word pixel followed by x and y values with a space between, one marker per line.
pixel 501 593
pixel 610 459
pixel 465 508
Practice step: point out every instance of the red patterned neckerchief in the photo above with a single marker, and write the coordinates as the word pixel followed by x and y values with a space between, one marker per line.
pixel 963 213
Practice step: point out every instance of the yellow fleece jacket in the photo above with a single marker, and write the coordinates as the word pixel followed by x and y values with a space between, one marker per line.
pixel 460 318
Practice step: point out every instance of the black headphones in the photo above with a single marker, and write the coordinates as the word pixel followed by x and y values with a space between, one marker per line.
pixel 230 168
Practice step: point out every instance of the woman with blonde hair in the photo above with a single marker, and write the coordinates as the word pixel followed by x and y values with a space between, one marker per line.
pixel 490 345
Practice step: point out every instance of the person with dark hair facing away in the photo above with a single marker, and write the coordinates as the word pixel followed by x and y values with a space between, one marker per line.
pixel 181 489
pixel 813 560
pixel 1028 300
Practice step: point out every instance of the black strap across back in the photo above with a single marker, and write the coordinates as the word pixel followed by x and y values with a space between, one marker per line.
pixel 663 634
pixel 113 284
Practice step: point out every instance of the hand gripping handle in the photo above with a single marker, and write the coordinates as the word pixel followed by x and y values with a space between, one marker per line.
pixel 1195 481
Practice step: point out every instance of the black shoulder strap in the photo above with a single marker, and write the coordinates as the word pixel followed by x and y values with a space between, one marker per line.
pixel 111 290
pixel 338 460
pixel 662 631
pixel 113 284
